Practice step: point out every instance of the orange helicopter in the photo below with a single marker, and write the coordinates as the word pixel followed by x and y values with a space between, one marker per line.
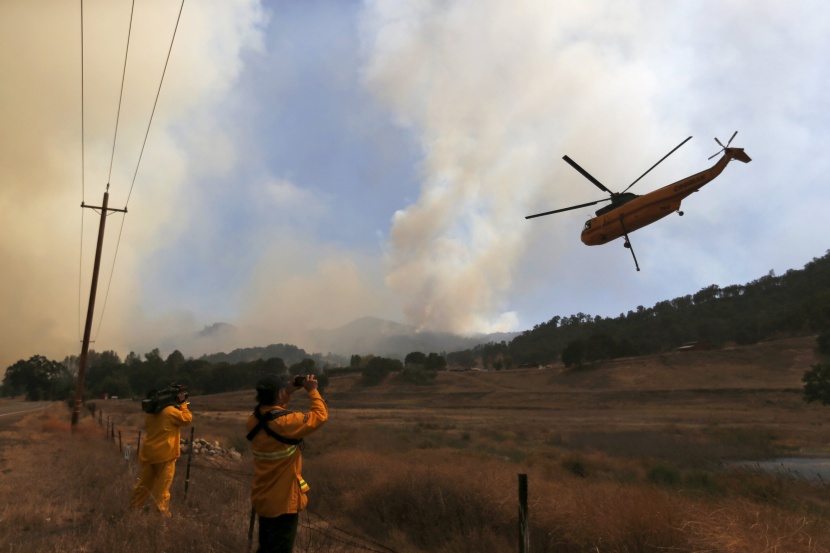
pixel 629 212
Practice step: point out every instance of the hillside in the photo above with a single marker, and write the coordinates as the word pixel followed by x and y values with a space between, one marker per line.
pixel 752 393
pixel 793 304
pixel 775 365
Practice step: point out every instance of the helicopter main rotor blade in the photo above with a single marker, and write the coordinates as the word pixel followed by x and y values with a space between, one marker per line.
pixel 586 174
pixel 656 164
pixel 566 208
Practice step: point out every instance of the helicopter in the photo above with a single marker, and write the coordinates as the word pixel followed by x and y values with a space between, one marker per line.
pixel 628 212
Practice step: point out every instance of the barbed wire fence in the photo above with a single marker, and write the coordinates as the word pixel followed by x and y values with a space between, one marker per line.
pixel 315 533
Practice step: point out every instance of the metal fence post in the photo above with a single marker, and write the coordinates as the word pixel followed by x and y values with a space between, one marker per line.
pixel 524 533
pixel 251 529
pixel 189 457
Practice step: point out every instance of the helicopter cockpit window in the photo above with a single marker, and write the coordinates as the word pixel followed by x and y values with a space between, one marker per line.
pixel 587 224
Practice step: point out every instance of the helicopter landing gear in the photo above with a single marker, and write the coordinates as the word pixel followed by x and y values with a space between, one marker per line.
pixel 627 244
pixel 680 213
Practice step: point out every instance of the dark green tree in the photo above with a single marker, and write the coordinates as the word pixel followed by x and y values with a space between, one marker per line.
pixel 378 368
pixel 418 375
pixel 415 358
pixel 174 361
pixel 823 342
pixel 574 353
pixel 304 367
pixel 38 378
pixel 435 362
pixel 817 384
pixel 273 365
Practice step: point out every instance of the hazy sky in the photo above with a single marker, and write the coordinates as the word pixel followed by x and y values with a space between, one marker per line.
pixel 313 162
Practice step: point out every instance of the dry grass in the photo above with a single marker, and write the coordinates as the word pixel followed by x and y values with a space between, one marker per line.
pixel 617 461
pixel 69 492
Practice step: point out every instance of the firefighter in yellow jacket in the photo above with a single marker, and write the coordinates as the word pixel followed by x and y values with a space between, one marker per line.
pixel 160 450
pixel 278 491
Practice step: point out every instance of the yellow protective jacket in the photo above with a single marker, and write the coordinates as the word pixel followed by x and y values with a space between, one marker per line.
pixel 163 435
pixel 278 486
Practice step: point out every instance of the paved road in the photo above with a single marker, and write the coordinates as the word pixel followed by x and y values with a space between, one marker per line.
pixel 12 411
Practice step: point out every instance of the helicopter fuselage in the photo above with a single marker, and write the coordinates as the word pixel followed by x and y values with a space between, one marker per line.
pixel 630 212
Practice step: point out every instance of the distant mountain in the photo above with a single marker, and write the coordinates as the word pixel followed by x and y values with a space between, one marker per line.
pixel 288 353
pixel 371 335
pixel 363 336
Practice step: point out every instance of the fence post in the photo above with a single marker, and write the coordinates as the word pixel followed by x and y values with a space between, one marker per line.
pixel 107 433
pixel 251 529
pixel 112 431
pixel 138 447
pixel 524 533
pixel 120 447
pixel 189 457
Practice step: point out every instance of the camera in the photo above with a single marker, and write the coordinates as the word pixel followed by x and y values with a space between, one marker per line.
pixel 157 400
pixel 298 381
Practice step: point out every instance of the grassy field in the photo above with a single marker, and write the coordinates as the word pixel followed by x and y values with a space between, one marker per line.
pixel 634 455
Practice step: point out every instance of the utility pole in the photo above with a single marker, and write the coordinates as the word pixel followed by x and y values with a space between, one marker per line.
pixel 79 389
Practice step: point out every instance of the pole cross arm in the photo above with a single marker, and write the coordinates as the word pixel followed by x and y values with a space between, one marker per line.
pixel 104 208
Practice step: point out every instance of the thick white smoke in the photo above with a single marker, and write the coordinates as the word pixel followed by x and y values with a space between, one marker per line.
pixel 40 157
pixel 495 89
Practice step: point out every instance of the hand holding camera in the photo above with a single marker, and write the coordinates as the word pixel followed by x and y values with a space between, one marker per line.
pixel 307 382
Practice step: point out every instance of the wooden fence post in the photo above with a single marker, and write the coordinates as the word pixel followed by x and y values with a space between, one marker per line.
pixel 138 447
pixel 524 532
pixel 120 447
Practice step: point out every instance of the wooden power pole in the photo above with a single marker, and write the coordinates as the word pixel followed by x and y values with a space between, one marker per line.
pixel 79 389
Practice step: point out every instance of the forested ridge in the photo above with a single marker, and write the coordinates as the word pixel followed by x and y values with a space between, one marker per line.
pixel 795 303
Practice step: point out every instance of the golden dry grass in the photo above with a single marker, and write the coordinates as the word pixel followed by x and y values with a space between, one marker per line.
pixel 624 457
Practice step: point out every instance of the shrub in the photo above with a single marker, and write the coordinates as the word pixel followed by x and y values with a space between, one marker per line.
pixel 664 475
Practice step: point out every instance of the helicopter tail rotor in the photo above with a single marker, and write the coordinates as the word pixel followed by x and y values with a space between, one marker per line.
pixel 722 147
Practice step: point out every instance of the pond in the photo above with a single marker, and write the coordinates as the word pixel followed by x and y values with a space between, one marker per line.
pixel 810 469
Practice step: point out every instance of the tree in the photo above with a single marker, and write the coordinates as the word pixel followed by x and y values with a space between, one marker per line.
pixel 304 367
pixel 273 365
pixel 415 358
pixel 378 368
pixel 574 353
pixel 38 378
pixel 823 342
pixel 418 375
pixel 435 362
pixel 817 384
pixel 175 360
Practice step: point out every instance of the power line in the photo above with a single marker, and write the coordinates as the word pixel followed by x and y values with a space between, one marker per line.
pixel 158 92
pixel 83 172
pixel 121 95
pixel 141 154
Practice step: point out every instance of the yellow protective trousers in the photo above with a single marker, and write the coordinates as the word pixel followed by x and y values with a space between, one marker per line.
pixel 154 481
